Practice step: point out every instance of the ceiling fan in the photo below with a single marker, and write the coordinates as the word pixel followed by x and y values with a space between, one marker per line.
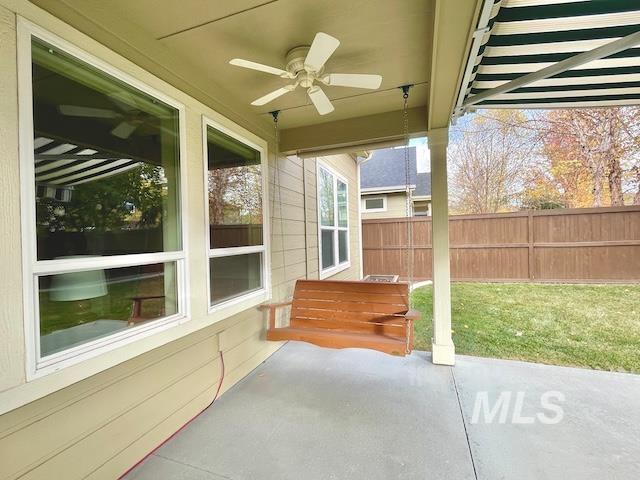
pixel 131 116
pixel 305 65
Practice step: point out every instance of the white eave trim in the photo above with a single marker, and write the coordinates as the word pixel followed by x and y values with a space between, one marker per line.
pixel 391 189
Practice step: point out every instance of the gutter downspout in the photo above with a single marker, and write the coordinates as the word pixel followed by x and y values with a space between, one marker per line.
pixel 359 161
pixel 304 207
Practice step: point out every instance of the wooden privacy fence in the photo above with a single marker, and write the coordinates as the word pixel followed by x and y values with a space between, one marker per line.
pixel 577 245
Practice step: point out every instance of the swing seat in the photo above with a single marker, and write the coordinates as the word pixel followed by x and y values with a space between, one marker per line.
pixel 348 314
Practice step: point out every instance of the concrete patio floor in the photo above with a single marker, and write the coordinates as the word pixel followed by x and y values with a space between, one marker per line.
pixel 312 413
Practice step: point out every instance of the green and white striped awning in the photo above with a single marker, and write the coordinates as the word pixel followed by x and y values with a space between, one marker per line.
pixel 66 164
pixel 525 36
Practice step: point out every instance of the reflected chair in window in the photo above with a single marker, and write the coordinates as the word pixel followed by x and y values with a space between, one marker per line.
pixel 149 303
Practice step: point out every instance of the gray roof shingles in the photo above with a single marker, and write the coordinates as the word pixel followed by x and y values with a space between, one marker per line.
pixel 387 168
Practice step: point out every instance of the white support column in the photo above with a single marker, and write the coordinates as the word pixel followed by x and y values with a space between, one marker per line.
pixel 442 348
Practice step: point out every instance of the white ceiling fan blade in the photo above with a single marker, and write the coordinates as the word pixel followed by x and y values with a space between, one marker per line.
pixel 124 101
pixel 321 49
pixel 239 62
pixel 273 95
pixel 124 130
pixel 79 111
pixel 320 100
pixel 355 80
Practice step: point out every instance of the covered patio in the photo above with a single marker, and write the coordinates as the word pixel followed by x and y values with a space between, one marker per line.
pixel 293 410
pixel 315 413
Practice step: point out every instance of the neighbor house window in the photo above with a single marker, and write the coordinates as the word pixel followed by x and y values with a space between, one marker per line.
pixel 374 204
pixel 103 218
pixel 236 216
pixel 333 213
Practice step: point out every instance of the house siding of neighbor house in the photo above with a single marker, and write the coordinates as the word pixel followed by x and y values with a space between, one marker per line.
pixel 383 176
pixel 395 205
pixel 97 418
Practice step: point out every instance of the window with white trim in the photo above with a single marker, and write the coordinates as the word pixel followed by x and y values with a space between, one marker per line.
pixel 236 216
pixel 333 220
pixel 374 204
pixel 104 253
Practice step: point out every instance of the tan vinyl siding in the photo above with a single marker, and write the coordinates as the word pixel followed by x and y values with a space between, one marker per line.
pixel 11 331
pixel 100 426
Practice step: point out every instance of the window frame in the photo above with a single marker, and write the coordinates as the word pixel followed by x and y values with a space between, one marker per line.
pixel 374 210
pixel 337 267
pixel 253 298
pixel 35 365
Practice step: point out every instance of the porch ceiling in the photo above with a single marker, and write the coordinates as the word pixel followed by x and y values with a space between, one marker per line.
pixel 377 36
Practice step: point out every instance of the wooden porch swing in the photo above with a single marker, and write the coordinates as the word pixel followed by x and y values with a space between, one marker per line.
pixel 351 314
pixel 348 314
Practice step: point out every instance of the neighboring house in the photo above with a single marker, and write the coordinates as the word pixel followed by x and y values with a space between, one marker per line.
pixel 383 185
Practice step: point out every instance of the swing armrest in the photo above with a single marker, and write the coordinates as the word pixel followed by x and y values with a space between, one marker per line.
pixel 266 306
pixel 272 307
pixel 410 317
pixel 413 315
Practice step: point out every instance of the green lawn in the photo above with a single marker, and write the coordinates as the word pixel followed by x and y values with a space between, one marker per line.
pixel 594 326
pixel 116 305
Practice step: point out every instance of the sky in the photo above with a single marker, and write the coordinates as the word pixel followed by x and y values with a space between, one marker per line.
pixel 422 154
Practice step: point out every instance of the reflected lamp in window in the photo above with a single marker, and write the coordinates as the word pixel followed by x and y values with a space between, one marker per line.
pixel 235 217
pixel 105 176
pixel 333 216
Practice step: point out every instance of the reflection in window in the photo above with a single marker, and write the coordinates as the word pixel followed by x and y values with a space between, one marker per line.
pixel 327 200
pixel 235 275
pixel 342 204
pixel 343 246
pixel 334 219
pixel 106 162
pixel 234 191
pixel 328 257
pixel 106 174
pixel 78 307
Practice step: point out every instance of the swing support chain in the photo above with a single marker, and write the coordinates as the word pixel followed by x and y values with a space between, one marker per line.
pixel 276 186
pixel 408 205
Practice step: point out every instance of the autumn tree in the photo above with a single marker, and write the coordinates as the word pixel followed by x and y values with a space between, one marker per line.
pixel 576 158
pixel 234 195
pixel 488 156
pixel 590 151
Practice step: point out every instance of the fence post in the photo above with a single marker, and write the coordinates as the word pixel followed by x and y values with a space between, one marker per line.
pixel 532 274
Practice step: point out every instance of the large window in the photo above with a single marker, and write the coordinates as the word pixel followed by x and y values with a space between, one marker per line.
pixel 333 219
pixel 236 216
pixel 102 215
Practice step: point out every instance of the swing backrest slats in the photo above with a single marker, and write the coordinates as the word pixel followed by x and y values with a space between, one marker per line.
pixel 350 306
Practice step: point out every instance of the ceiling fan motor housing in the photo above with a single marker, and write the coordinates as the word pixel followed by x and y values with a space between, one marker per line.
pixel 295 59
